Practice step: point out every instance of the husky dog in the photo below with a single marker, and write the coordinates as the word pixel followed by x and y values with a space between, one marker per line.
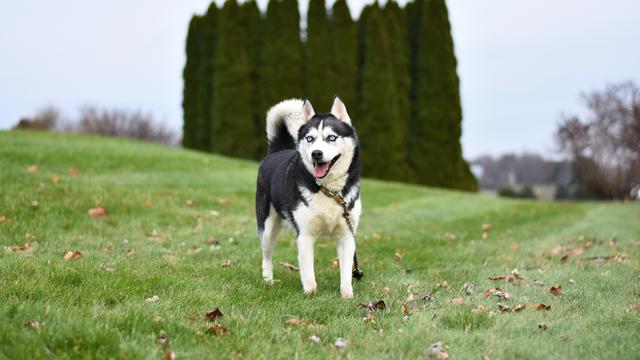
pixel 308 151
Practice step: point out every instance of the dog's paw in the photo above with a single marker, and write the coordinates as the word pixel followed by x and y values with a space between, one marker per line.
pixel 310 288
pixel 268 281
pixel 347 293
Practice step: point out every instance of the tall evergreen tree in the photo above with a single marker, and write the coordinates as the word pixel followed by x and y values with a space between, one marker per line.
pixel 232 86
pixel 397 24
pixel 189 75
pixel 254 24
pixel 437 122
pixel 344 54
pixel 380 127
pixel 318 62
pixel 206 75
pixel 282 62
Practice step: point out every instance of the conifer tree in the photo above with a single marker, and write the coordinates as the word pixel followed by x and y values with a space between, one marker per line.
pixel 379 125
pixel 344 53
pixel 282 62
pixel 189 75
pixel 319 87
pixel 232 86
pixel 437 122
pixel 206 75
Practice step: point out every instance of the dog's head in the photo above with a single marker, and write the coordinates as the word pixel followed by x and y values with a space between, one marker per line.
pixel 327 142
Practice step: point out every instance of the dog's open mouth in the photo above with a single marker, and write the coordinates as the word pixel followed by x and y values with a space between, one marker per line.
pixel 321 169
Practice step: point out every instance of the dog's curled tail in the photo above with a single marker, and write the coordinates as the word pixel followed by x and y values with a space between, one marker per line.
pixel 283 122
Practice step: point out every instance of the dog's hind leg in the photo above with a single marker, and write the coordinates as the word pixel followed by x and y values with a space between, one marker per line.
pixel 272 226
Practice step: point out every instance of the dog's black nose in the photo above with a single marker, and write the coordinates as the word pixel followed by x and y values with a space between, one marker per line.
pixel 316 155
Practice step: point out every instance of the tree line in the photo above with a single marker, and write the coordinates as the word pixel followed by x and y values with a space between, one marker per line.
pixel 394 67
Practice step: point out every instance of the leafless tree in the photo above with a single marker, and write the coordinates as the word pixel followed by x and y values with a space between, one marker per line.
pixel 605 145
pixel 46 119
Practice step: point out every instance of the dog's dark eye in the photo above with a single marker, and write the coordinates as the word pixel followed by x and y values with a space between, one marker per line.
pixel 332 138
pixel 309 138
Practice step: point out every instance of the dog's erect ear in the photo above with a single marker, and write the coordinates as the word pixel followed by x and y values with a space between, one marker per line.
pixel 307 110
pixel 339 110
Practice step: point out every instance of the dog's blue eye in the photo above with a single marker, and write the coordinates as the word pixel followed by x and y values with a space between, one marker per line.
pixel 332 138
pixel 309 138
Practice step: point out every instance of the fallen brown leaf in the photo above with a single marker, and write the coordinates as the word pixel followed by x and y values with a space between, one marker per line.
pixel 290 266
pixel 405 310
pixel 497 277
pixel 468 288
pixel 555 290
pixel 369 318
pixel 373 305
pixel 212 241
pixel 633 308
pixel 294 321
pixel 72 255
pixel 224 200
pixel 504 307
pixel 33 324
pixel 457 300
pixel 518 307
pixel 98 212
pixel 169 355
pixel 226 263
pixel 492 291
pixel 154 236
pixel 189 203
pixel 148 203
pixel 543 307
pixel 131 251
pixel 55 178
pixel 2 219
pixel 542 326
pixel 478 309
pixel 398 255
pixel 73 171
pixel 334 263
pixel 213 315
pixel 218 329
pixel 163 339
pixel 18 248
pixel 486 227
pixel 428 297
pixel 33 169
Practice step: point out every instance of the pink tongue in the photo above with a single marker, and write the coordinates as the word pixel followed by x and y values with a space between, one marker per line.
pixel 321 170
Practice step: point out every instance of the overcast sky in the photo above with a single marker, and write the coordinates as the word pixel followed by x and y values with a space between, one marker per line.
pixel 521 63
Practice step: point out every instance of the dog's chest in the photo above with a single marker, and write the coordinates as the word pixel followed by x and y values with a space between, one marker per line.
pixel 321 216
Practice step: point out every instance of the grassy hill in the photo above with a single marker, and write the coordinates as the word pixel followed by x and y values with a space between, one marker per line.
pixel 166 207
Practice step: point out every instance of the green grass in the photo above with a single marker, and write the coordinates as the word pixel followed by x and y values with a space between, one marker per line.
pixel 89 312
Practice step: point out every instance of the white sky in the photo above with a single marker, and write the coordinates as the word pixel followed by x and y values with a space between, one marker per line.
pixel 521 63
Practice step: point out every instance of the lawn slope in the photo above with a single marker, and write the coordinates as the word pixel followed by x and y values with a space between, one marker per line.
pixel 165 206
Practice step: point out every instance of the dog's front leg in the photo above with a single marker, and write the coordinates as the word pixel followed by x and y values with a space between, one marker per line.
pixel 305 261
pixel 346 248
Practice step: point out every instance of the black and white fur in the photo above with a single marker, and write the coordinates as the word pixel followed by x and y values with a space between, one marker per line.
pixel 301 146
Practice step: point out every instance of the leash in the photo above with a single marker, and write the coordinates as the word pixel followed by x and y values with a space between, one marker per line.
pixel 356 273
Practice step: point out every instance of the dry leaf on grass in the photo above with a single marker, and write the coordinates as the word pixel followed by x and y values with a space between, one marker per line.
pixel 504 307
pixel 55 178
pixel 497 277
pixel 555 290
pixel 369 318
pixel 98 212
pixel 189 203
pixel 18 248
pixel 294 321
pixel 290 266
pixel 33 324
pixel 148 203
pixel 224 200
pixel 468 288
pixel 33 169
pixel 543 307
pixel 73 171
pixel 428 297
pixel 212 241
pixel 479 309
pixel 214 314
pixel 218 329
pixel 2 219
pixel 373 305
pixel 437 350
pixel 340 343
pixel 152 299
pixel 226 263
pixel 633 308
pixel 542 326
pixel 131 251
pixel 72 255
pixel 398 255
pixel 314 339
pixel 169 355
pixel 334 263
pixel 448 236
pixel 154 236
pixel 457 300
pixel 163 339
pixel 405 310
pixel 518 308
